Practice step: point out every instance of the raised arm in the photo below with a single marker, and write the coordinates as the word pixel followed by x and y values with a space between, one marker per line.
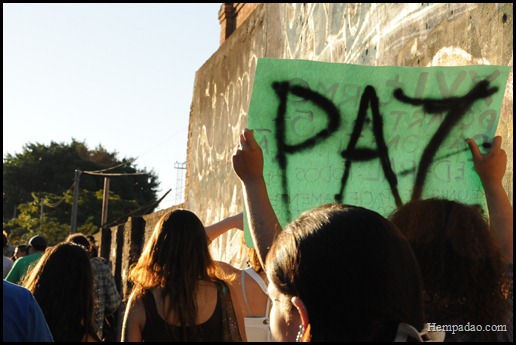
pixel 491 169
pixel 234 222
pixel 263 222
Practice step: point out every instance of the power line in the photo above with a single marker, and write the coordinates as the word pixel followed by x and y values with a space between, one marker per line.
pixel 113 174
pixel 101 172
pixel 45 201
pixel 173 135
pixel 144 207
pixel 107 169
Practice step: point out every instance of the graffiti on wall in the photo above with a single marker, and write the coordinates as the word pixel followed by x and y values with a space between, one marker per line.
pixel 360 32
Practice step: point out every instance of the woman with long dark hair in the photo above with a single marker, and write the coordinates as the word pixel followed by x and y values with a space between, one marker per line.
pixel 62 283
pixel 179 292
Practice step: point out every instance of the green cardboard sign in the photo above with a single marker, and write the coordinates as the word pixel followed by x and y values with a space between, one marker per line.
pixel 373 136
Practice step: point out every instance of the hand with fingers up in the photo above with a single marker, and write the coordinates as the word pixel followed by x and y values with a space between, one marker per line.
pixel 248 164
pixel 491 168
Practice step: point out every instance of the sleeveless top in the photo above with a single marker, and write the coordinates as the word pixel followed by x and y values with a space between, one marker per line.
pixel 221 326
pixel 256 327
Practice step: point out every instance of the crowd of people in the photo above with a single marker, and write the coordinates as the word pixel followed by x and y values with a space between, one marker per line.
pixel 337 272
pixel 71 293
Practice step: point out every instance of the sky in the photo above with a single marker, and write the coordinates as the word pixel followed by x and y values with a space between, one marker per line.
pixel 116 75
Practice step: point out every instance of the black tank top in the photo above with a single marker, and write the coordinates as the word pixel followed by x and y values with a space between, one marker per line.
pixel 157 329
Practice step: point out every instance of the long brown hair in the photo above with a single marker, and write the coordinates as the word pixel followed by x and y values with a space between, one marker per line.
pixel 175 258
pixel 462 269
pixel 62 283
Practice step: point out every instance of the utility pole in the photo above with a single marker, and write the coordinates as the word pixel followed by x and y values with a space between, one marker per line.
pixel 105 200
pixel 42 200
pixel 75 200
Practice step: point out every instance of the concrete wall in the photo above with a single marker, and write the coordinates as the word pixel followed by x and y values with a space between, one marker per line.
pixel 367 34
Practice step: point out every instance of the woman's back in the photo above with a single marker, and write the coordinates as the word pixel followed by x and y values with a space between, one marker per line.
pixel 206 299
pixel 210 322
pixel 176 268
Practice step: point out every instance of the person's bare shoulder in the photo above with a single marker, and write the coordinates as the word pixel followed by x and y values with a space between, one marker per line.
pixel 227 268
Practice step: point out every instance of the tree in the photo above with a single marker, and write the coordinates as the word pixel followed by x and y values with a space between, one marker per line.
pixel 44 174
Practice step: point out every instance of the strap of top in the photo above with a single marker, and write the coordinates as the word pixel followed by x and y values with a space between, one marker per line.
pixel 252 273
pixel 257 278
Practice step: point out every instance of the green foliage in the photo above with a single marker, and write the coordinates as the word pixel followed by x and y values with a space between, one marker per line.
pixel 44 174
pixel 30 222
